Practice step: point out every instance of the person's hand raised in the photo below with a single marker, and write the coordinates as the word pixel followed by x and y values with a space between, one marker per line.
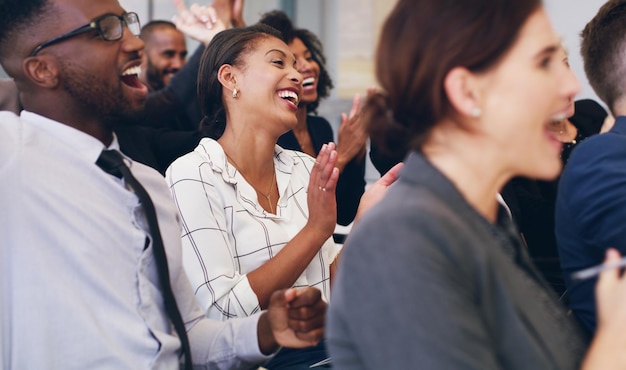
pixel 352 134
pixel 199 22
pixel 377 191
pixel 321 192
pixel 230 12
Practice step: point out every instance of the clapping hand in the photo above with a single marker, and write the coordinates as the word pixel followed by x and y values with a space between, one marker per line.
pixel 352 135
pixel 321 197
pixel 377 191
pixel 294 318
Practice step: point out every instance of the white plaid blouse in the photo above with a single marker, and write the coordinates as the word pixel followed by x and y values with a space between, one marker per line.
pixel 226 233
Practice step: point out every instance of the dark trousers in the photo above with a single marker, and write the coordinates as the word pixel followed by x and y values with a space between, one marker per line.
pixel 299 359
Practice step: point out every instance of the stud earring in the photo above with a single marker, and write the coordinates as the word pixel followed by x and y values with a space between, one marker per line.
pixel 235 93
pixel 476 112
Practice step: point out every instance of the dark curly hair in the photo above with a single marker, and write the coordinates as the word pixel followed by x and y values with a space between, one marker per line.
pixel 280 21
pixel 421 41
pixel 227 47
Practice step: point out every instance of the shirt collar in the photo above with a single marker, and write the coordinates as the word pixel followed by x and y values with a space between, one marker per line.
pixel 620 125
pixel 213 152
pixel 83 144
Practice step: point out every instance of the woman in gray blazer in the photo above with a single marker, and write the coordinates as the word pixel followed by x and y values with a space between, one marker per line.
pixel 436 276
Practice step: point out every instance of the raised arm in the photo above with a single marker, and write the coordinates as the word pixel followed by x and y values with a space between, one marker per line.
pixel 199 21
pixel 352 136
pixel 284 269
pixel 220 259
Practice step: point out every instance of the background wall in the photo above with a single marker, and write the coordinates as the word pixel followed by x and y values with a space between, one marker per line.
pixel 349 30
pixel 569 18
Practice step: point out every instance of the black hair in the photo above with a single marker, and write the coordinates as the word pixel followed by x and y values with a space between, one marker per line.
pixel 151 26
pixel 227 47
pixel 280 21
pixel 16 17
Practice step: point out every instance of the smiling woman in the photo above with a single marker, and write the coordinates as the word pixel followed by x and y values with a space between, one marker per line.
pixel 256 217
pixel 313 131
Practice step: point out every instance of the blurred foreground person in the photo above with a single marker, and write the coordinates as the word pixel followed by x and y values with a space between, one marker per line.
pixel 435 276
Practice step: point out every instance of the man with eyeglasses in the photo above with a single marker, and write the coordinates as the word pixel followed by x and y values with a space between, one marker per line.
pixel 80 283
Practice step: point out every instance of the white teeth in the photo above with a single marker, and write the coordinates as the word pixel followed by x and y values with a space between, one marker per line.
pixel 286 94
pixel 559 117
pixel 136 70
pixel 308 81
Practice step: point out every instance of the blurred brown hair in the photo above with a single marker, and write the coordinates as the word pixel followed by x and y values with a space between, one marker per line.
pixel 421 41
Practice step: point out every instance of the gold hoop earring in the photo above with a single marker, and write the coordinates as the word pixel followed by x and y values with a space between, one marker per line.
pixel 235 93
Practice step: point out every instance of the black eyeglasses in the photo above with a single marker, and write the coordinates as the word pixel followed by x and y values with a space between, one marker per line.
pixel 110 27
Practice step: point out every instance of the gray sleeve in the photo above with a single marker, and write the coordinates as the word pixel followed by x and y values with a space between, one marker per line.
pixel 404 298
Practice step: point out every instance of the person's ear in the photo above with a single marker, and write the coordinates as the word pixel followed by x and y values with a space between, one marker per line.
pixel 461 87
pixel 42 70
pixel 226 75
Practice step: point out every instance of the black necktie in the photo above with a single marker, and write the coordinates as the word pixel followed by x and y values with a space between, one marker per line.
pixel 112 162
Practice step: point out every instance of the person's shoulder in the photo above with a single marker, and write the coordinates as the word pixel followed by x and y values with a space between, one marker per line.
pixel 9 95
pixel 318 125
pixel 590 107
pixel 206 152
pixel 12 133
pixel 293 157
pixel 10 126
pixel 317 120
pixel 599 148
pixel 412 207
pixel 8 118
pixel 595 163
pixel 589 116
pixel 418 226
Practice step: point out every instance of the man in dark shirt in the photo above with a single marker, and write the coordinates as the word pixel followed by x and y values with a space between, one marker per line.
pixel 591 198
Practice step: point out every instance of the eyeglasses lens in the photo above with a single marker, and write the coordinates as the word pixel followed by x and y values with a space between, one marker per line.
pixel 111 26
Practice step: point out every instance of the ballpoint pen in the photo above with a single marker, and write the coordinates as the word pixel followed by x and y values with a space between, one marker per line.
pixel 595 270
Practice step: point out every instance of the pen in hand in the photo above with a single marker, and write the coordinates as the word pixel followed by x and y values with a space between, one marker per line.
pixel 596 270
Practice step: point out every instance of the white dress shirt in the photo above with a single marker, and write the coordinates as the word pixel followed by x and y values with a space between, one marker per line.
pixel 226 233
pixel 79 288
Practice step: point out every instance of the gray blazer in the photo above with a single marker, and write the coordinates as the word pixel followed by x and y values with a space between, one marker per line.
pixel 425 282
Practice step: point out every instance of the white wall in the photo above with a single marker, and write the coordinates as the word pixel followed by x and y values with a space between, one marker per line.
pixel 569 18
